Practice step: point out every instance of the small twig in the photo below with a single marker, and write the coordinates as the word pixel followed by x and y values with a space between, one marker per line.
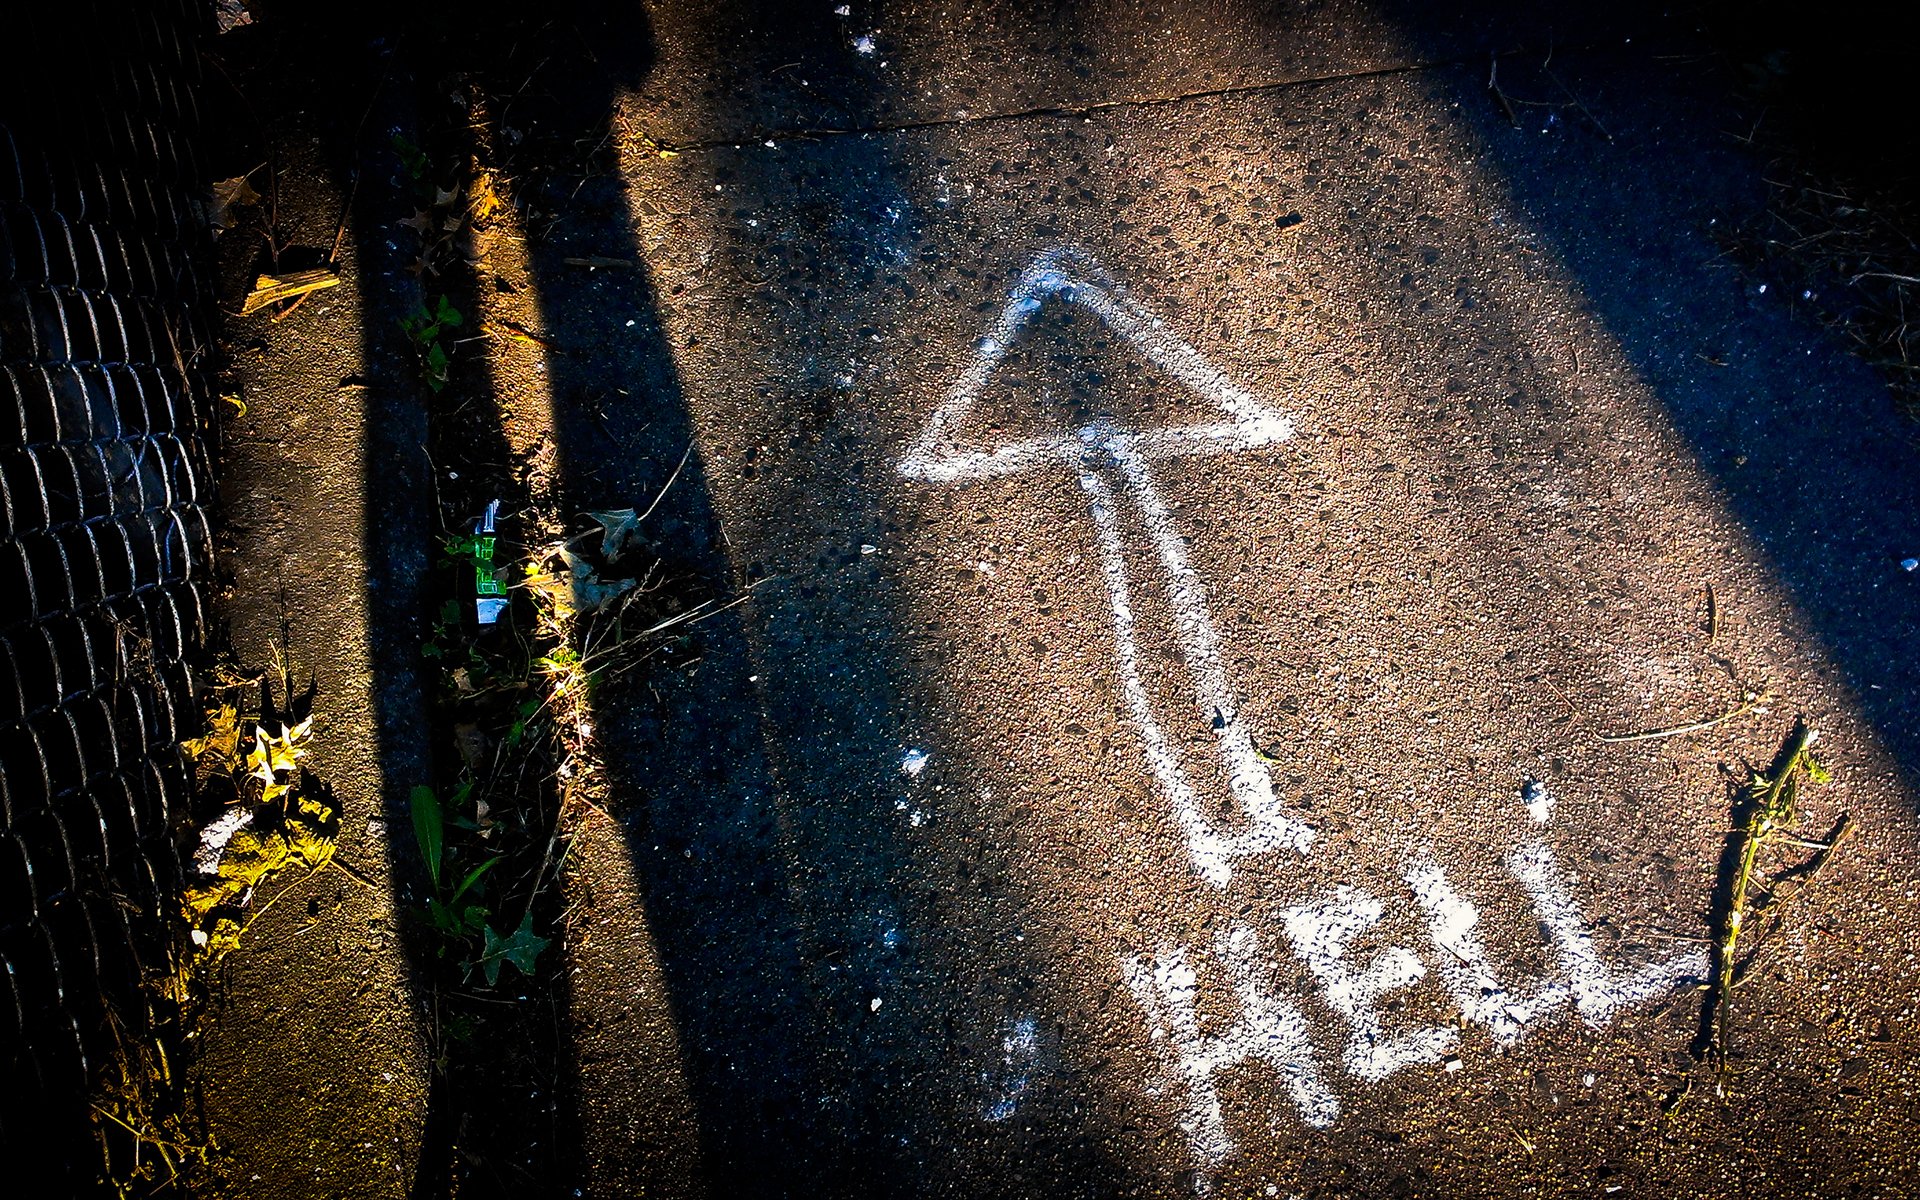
pixel 546 856
pixel 273 206
pixel 1577 102
pixel 353 873
pixel 1713 614
pixel 433 476
pixel 1649 735
pixel 694 616
pixel 516 330
pixel 1883 275
pixel 1493 85
pixel 663 487
pixel 1572 712
pixel 292 886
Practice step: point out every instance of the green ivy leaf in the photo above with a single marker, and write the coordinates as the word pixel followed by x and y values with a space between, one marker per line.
pixel 521 949
pixel 429 829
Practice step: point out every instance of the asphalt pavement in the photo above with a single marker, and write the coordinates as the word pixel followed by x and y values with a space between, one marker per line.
pixel 1270 537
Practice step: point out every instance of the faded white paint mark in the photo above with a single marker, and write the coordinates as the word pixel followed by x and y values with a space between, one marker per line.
pixel 1598 992
pixel 1322 932
pixel 1462 962
pixel 1094 452
pixel 1268 1029
pixel 1019 1055
pixel 912 762
pixel 1538 799
pixel 214 839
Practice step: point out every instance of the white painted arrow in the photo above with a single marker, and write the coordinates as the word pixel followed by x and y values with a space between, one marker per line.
pixel 1094 452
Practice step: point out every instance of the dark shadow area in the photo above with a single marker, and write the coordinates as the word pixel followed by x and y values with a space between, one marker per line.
pixel 499 1121
pixel 1827 485
pixel 1838 84
pixel 828 976
pixel 825 981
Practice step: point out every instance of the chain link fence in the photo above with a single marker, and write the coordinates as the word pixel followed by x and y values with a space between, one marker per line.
pixel 106 552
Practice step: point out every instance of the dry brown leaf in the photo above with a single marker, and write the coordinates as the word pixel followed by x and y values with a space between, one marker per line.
pixel 229 194
pixel 271 289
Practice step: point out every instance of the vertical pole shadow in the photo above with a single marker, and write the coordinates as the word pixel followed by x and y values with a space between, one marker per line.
pixel 368 79
pixel 821 986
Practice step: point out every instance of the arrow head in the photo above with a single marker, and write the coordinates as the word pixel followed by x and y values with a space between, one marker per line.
pixel 1072 277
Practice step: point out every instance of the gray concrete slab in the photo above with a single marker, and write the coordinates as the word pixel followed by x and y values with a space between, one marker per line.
pixel 313 1068
pixel 743 70
pixel 1534 416
pixel 314 1063
pixel 1182 807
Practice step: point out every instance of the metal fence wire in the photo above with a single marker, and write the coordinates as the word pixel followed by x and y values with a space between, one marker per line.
pixel 106 551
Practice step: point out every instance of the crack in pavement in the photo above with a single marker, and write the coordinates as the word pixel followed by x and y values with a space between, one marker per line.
pixel 1057 111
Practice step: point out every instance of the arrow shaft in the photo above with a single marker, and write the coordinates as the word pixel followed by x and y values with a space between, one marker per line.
pixel 1199 643
pixel 1165 765
pixel 1247 778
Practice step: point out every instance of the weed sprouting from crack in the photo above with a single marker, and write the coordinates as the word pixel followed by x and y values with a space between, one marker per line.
pixel 1765 813
pixel 585 610
pixel 427 328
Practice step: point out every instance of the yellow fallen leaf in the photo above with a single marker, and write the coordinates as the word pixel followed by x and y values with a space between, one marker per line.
pixel 223 734
pixel 260 758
